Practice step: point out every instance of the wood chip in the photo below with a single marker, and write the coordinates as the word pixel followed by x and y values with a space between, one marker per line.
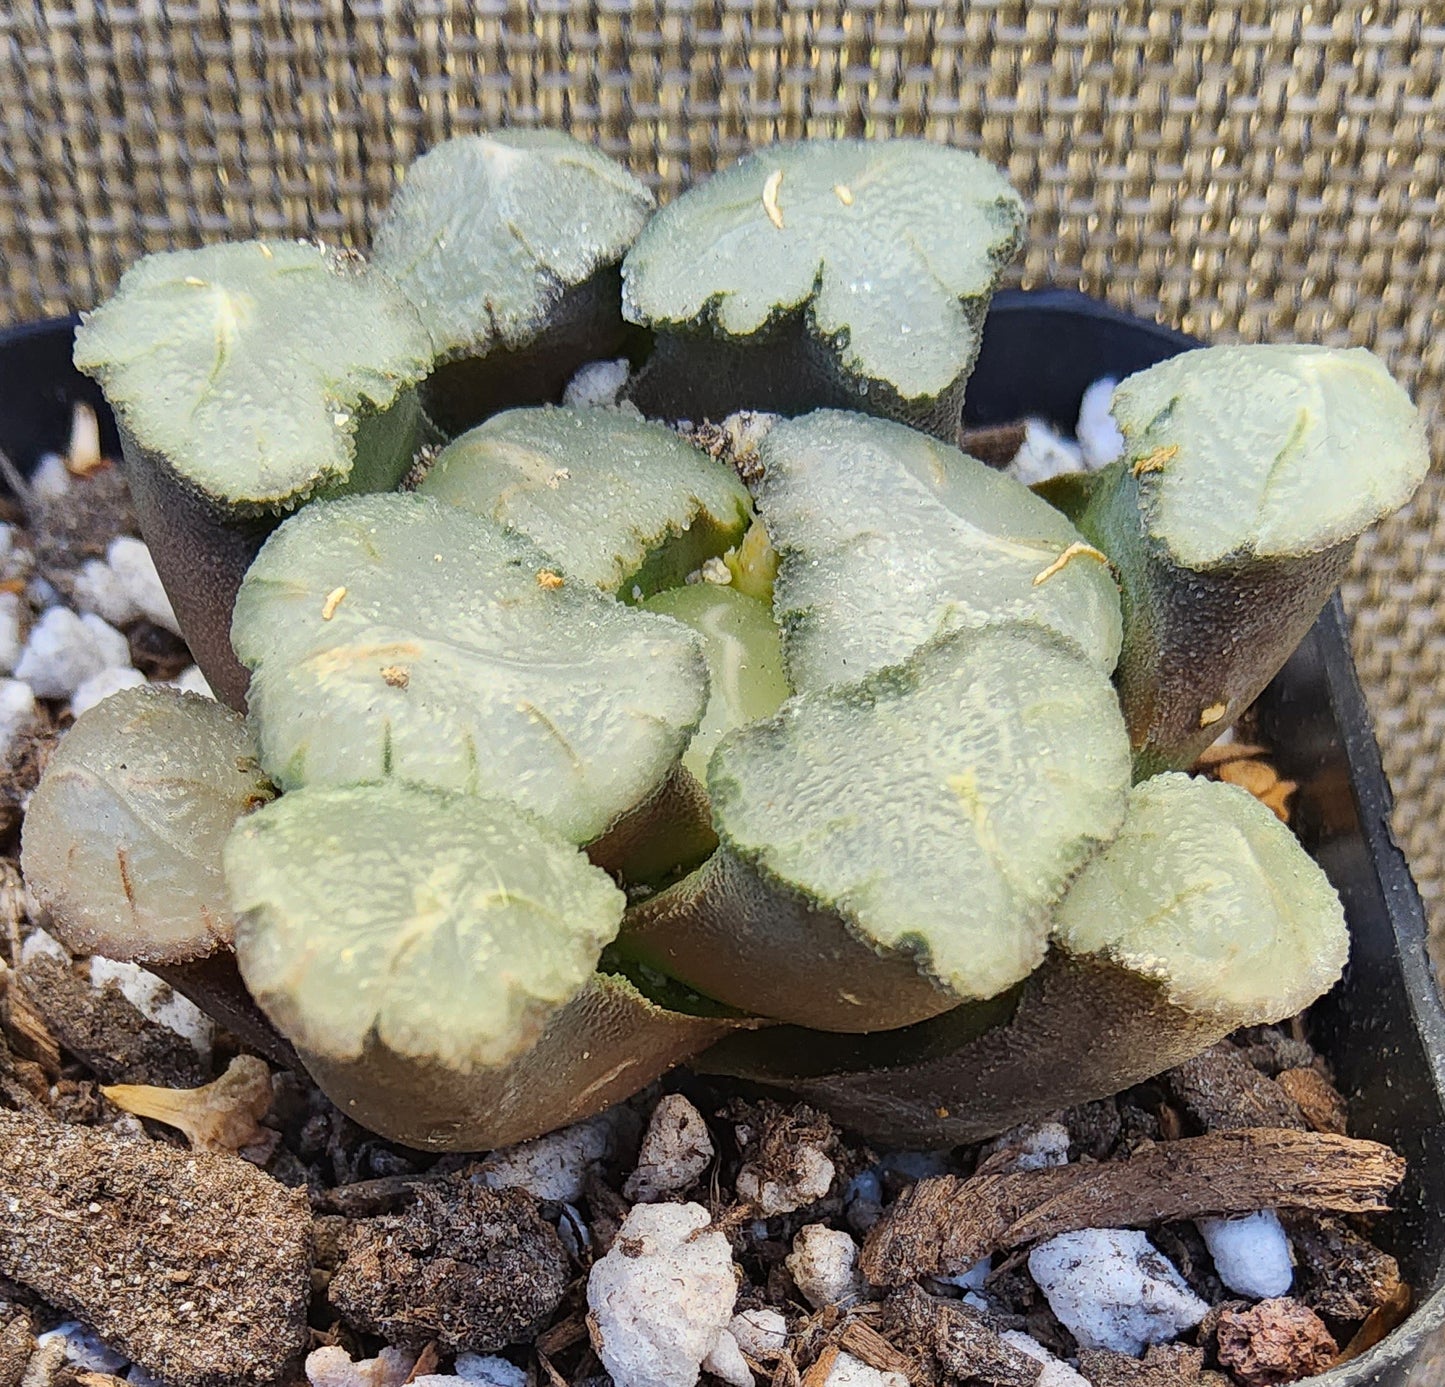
pixel 946 1224
pixel 951 1342
pixel 870 1347
pixel 1220 1089
pixel 822 1365
pixel 1317 1098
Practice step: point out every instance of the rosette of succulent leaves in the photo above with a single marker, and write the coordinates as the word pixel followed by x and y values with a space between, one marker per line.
pixel 559 754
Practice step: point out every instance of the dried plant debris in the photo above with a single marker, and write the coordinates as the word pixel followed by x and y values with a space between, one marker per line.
pixel 948 1341
pixel 464 1266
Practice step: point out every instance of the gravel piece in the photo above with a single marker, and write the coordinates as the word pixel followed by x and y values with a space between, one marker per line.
pixel 675 1152
pixel 100 687
pixel 85 1348
pixel 662 1297
pixel 1056 1372
pixel 824 1264
pixel 1272 1342
pixel 157 1001
pixel 1045 453
pixel 727 1362
pixel 1032 1146
pixel 98 588
pixel 489 1371
pixel 17 710
pixel 64 650
pixel 1099 437
pixel 333 1367
pixel 553 1167
pixel 196 1267
pixel 760 1333
pixel 468 1267
pixel 597 383
pixel 1251 1253
pixel 130 560
pixel 848 1371
pixel 1110 1288
pixel 12 610
pixel 787 1157
pixel 191 680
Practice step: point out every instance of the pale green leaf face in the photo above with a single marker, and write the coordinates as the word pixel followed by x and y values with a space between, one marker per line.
pixel 245 365
pixel 394 636
pixel 1208 892
pixel 942 806
pixel 451 927
pixel 123 837
pixel 885 242
pixel 888 538
pixel 1267 451
pixel 611 497
pixel 488 230
pixel 744 661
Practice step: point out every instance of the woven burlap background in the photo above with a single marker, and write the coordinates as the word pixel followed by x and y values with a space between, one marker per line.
pixel 1243 169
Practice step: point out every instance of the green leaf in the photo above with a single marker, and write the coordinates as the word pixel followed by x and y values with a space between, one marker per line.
pixel 888 538
pixel 618 502
pixel 251 367
pixel 123 836
pixel 394 636
pixel 445 926
pixel 487 232
pixel 892 246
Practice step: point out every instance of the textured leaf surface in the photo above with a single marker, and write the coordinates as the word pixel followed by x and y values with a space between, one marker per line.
pixel 449 927
pixel 940 807
pixel 744 660
pixel 123 837
pixel 245 365
pixel 1207 892
pixel 1269 451
pixel 488 230
pixel 888 538
pixel 884 241
pixel 397 636
pixel 604 493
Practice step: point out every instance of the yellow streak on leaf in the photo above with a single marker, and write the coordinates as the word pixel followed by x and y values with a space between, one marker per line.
pixel 1078 549
pixel 547 578
pixel 1154 462
pixel 770 198
pixel 844 194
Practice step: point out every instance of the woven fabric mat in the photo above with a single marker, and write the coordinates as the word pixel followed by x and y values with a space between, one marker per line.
pixel 1240 168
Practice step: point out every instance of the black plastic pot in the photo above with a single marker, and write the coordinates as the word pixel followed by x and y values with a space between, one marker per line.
pixel 1383 1027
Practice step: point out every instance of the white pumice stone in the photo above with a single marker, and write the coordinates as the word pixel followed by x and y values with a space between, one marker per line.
pixel 137 1376
pixel 191 680
pixel 1056 1372
pixel 761 1333
pixel 17 711
pixel 489 1370
pixel 848 1371
pixel 1251 1254
pixel 41 943
pixel 333 1367
pixel 85 1348
pixel 157 1001
pixel 130 560
pixel 824 1263
pixel 726 1361
pixel 863 1201
pixel 809 1180
pixel 662 1297
pixel 553 1167
pixel 675 1151
pixel 100 686
pixel 1111 1289
pixel 1037 1146
pixel 596 383
pixel 51 479
pixel 11 610
pixel 1099 437
pixel 1045 453
pixel 98 588
pixel 64 650
pixel 16 558
pixel 972 1279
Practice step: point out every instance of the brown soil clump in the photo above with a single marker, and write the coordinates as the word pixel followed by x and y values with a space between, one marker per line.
pixel 1273 1342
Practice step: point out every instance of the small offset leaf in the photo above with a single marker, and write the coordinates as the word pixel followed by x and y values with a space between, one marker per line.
pixel 123 836
pixel 394 636
pixel 888 538
pixel 487 231
pixel 618 502
pixel 1267 451
pixel 744 659
pixel 447 927
pixel 892 246
pixel 249 367
pixel 1208 893
pixel 940 808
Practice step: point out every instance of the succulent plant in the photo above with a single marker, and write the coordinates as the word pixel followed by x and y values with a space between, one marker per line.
pixel 599 743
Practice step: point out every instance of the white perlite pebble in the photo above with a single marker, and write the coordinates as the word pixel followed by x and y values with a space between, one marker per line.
pixel 848 1371
pixel 972 1279
pixel 41 943
pixel 489 1370
pixel 661 1298
pixel 16 559
pixel 1110 1288
pixel 1251 1254
pixel 332 1367
pixel 11 609
pixel 1036 1146
pixel 191 680
pixel 100 686
pixel 824 1263
pixel 809 1180
pixel 1056 1372
pixel 157 1001
pixel 17 711
pixel 760 1333
pixel 596 383
pixel 1099 438
pixel 675 1151
pixel 130 560
pixel 85 1348
pixel 64 650
pixel 553 1167
pixel 51 479
pixel 98 588
pixel 727 1362
pixel 1045 453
